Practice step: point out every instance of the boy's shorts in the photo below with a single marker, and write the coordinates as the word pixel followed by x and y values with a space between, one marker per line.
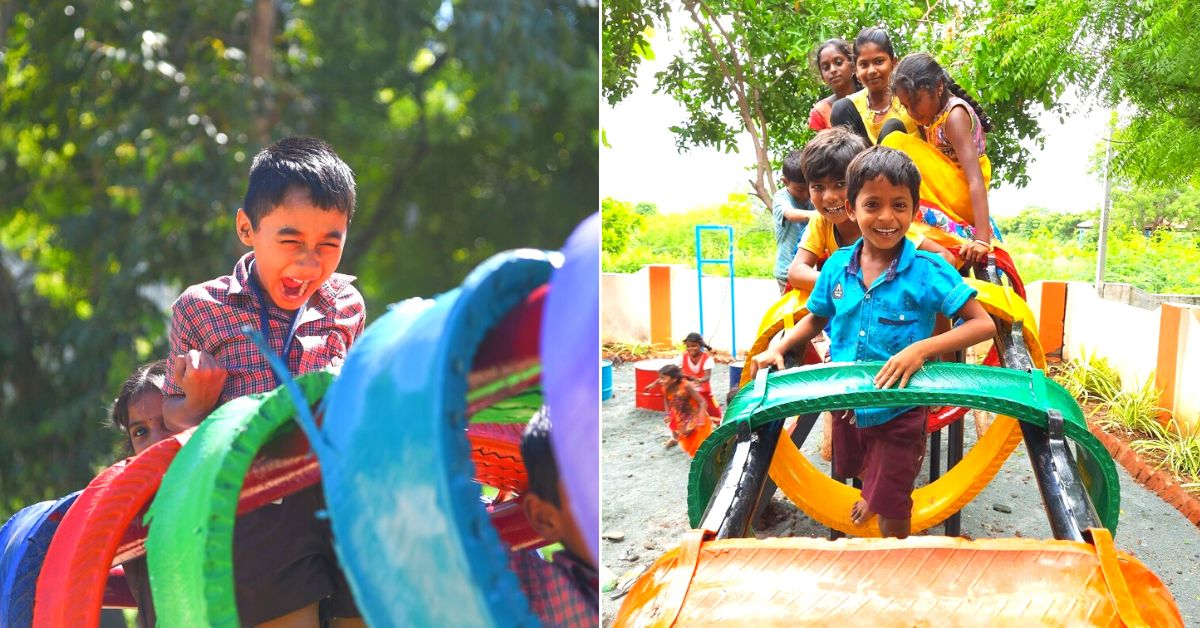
pixel 887 457
pixel 284 560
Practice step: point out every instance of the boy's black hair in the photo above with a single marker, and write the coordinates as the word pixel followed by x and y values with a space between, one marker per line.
pixel 829 154
pixel 697 338
pixel 874 35
pixel 881 161
pixel 921 71
pixel 792 172
pixel 538 454
pixel 303 163
pixel 147 377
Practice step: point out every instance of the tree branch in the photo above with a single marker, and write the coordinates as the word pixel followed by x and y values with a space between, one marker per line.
pixel 737 81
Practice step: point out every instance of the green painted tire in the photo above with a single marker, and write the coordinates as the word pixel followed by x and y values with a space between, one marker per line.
pixel 189 548
pixel 1023 396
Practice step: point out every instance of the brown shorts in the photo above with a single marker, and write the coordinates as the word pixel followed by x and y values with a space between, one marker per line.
pixel 284 560
pixel 887 457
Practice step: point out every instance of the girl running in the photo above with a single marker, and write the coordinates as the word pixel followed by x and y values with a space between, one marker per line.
pixel 687 411
pixel 697 365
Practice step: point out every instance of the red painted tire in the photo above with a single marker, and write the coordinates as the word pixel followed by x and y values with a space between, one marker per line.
pixel 496 453
pixel 70 590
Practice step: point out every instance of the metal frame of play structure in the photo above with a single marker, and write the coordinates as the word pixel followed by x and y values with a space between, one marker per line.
pixel 725 261
pixel 716 574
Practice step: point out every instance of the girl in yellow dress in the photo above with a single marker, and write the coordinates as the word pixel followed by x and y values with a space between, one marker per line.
pixel 873 112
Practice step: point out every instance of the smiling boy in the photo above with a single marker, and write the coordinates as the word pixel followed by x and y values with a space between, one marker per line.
pixel 825 161
pixel 881 296
pixel 295 217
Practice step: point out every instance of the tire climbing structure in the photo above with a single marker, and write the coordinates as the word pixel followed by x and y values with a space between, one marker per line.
pixel 716 576
pixel 429 406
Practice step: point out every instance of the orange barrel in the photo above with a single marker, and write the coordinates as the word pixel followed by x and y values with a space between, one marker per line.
pixel 646 373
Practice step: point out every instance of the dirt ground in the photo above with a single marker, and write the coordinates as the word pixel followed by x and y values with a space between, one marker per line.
pixel 645 503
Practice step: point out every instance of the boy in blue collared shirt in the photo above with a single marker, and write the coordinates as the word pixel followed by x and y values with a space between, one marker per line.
pixel 882 295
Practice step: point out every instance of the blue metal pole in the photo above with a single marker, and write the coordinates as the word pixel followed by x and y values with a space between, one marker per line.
pixel 700 277
pixel 732 301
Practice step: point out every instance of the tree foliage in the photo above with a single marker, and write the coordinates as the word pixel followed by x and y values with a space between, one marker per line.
pixel 619 222
pixel 747 67
pixel 1141 51
pixel 128 130
pixel 626 43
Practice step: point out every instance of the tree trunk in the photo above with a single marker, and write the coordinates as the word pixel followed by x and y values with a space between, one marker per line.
pixel 763 183
pixel 262 32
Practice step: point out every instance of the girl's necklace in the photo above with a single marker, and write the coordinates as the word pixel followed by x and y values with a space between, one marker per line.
pixel 884 109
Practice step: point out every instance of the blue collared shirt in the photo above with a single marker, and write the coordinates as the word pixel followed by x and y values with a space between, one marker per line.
pixel 876 322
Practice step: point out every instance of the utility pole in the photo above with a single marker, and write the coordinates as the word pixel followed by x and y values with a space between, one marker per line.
pixel 1102 245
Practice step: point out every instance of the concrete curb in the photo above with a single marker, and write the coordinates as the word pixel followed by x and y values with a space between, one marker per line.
pixel 1158 481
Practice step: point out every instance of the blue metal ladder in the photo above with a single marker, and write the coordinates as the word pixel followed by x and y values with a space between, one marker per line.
pixel 728 261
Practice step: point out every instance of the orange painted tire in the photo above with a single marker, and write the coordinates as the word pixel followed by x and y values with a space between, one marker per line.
pixel 70 590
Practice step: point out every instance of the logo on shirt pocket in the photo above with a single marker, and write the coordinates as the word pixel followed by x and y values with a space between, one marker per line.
pixel 837 291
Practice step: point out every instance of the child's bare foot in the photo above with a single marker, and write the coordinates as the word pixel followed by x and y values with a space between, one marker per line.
pixel 670 443
pixel 861 512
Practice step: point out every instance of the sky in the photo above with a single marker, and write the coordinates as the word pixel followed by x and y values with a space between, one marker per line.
pixel 642 163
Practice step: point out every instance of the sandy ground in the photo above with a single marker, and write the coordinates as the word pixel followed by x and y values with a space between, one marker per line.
pixel 645 501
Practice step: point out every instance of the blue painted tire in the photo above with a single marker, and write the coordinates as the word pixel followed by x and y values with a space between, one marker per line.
pixel 410 532
pixel 23 544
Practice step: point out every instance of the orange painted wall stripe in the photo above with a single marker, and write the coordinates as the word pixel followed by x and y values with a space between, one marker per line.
pixel 1167 367
pixel 1052 316
pixel 660 304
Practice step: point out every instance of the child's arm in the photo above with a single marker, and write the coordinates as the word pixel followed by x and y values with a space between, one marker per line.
pixel 783 208
pixel 201 377
pixel 977 326
pixel 803 272
pixel 803 332
pixel 958 133
pixel 933 247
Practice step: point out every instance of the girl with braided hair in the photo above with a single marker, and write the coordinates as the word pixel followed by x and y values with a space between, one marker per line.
pixel 955 172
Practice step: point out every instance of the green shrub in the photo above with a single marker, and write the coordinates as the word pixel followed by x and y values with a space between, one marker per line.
pixel 1043 245
pixel 1134 411
pixel 618 222
pixel 1179 448
pixel 1091 378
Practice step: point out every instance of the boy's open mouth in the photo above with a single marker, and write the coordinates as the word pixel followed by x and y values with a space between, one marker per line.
pixel 293 288
pixel 887 233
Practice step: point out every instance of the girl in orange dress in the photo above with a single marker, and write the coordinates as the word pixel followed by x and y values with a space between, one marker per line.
pixel 697 366
pixel 687 411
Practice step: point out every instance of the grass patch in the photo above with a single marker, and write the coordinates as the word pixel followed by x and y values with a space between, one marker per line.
pixel 1176 447
pixel 1091 378
pixel 1133 411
